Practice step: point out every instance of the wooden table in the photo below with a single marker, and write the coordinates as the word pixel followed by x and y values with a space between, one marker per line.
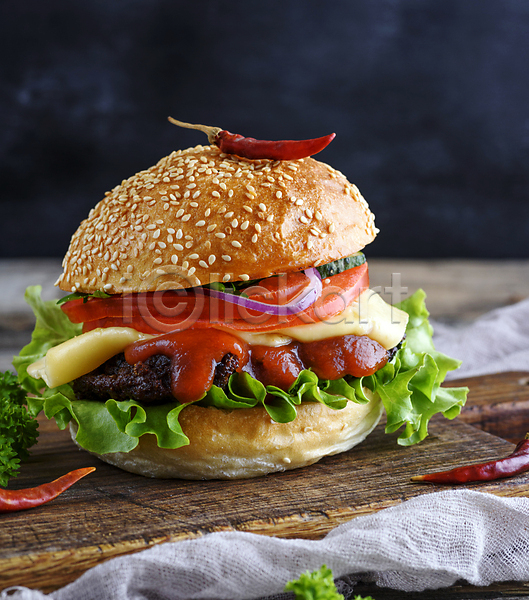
pixel 458 291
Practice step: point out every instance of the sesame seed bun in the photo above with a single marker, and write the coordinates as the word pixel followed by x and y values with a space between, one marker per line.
pixel 200 216
pixel 245 443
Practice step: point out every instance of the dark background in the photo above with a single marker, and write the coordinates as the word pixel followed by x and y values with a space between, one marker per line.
pixel 429 100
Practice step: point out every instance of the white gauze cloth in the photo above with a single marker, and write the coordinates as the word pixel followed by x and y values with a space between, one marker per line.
pixel 496 342
pixel 428 542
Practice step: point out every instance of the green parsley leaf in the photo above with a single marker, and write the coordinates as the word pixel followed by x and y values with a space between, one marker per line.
pixel 318 585
pixel 18 429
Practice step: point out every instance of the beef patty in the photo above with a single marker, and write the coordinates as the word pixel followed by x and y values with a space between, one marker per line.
pixel 147 382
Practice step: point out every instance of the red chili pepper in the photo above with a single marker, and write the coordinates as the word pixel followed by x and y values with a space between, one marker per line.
pixel 251 148
pixel 13 500
pixel 514 464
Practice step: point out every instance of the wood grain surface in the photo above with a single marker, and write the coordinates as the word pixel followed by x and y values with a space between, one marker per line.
pixel 110 512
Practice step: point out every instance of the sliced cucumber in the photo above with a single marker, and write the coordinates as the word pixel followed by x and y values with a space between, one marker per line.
pixel 342 264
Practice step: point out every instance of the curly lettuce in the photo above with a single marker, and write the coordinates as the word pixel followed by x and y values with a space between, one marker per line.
pixel 409 386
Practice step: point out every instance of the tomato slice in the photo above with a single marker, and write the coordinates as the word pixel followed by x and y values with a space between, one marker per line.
pixel 162 312
pixel 276 290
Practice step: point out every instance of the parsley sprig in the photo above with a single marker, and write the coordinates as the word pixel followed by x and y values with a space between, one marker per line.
pixel 18 429
pixel 318 585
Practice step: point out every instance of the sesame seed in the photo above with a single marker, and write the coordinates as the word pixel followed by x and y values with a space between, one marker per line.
pixel 193 204
pixel 299 202
pixel 179 234
pixel 314 231
pixel 270 218
pixel 244 277
pixel 186 217
pixel 174 259
pixel 318 216
pixel 212 259
pixel 236 244
pixel 229 215
pixel 191 271
pixel 152 246
pixel 226 257
pixel 247 208
pixel 185 264
pixel 250 196
pixel 200 223
pixel 230 193
pixel 193 256
pixel 234 223
pixel 244 225
pixel 257 227
pixel 254 238
pixel 211 227
pixel 208 212
pixel 221 236
pixel 309 244
pixel 279 194
pixel 157 261
pixel 331 228
pixel 226 277
pixel 107 287
pixel 156 234
pixel 170 239
pixel 170 230
pixel 197 194
pixel 189 244
pixel 215 194
pixel 179 213
pixel 162 245
pixel 203 264
pixel 166 206
pixel 262 207
pixel 309 213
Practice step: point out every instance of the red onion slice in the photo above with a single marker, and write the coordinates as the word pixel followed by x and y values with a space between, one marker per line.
pixel 299 304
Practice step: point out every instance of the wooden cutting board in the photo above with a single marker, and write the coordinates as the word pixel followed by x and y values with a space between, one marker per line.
pixel 110 512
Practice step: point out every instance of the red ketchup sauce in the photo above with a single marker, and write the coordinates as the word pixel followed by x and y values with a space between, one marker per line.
pixel 195 353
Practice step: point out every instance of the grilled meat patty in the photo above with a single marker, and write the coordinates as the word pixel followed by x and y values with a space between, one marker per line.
pixel 147 382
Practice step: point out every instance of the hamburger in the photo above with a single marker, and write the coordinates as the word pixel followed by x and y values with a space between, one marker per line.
pixel 219 324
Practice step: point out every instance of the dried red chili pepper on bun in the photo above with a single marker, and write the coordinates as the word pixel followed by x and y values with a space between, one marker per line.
pixel 248 147
pixel 514 464
pixel 13 500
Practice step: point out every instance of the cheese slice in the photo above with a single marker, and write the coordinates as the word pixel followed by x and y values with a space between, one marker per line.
pixel 368 315
pixel 83 354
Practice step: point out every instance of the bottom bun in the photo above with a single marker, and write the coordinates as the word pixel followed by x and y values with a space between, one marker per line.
pixel 245 443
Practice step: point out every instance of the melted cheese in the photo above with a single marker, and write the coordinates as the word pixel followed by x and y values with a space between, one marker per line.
pixel 368 315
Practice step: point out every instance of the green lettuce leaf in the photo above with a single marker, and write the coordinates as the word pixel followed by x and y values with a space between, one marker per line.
pixel 52 328
pixel 409 387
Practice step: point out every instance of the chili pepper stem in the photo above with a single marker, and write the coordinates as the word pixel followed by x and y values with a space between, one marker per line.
pixel 211 132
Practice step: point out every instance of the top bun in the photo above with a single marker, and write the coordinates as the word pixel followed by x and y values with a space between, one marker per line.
pixel 200 216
